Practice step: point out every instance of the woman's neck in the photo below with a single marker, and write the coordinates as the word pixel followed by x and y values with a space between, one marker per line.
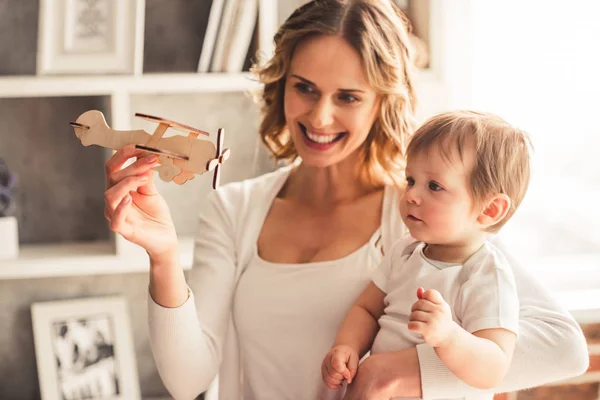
pixel 325 187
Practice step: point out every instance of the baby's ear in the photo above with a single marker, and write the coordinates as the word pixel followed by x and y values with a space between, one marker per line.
pixel 495 210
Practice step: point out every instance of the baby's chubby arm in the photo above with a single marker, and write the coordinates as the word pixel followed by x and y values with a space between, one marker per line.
pixel 354 337
pixel 480 359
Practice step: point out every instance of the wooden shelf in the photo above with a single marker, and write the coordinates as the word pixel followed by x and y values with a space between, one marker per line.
pixel 80 259
pixel 106 85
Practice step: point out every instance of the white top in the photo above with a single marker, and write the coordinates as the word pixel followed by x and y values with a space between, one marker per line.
pixel 276 301
pixel 193 342
pixel 482 293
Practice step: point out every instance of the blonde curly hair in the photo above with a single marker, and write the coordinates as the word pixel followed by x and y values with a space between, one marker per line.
pixel 379 32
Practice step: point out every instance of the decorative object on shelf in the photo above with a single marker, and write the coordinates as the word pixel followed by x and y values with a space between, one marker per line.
pixel 9 231
pixel 90 37
pixel 84 349
pixel 180 157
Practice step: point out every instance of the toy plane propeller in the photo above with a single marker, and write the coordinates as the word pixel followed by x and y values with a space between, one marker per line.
pixel 180 157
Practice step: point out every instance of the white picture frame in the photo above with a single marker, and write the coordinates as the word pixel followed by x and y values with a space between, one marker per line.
pixel 84 349
pixel 90 37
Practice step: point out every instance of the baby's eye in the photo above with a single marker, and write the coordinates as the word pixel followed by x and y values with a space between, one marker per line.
pixel 434 186
pixel 410 181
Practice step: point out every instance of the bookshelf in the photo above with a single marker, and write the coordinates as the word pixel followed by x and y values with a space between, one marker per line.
pixel 116 255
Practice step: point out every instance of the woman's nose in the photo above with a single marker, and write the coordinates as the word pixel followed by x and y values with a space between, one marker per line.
pixel 321 115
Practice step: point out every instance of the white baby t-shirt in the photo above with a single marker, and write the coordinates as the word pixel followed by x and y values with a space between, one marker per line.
pixel 481 293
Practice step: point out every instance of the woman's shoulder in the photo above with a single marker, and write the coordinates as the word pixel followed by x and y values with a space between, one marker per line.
pixel 248 194
pixel 261 185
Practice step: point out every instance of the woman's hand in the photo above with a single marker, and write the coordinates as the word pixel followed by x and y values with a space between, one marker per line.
pixel 133 206
pixel 387 375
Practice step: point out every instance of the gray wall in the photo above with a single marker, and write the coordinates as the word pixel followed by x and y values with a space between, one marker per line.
pixel 66 204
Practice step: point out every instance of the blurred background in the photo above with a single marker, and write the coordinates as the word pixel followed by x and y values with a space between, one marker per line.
pixel 536 63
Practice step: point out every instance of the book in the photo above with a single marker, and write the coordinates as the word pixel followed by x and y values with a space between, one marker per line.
pixel 210 36
pixel 237 49
pixel 226 29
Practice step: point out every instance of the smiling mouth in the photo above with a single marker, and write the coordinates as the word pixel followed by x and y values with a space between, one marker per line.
pixel 320 139
pixel 413 218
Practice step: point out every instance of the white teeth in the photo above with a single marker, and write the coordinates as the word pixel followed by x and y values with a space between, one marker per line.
pixel 320 138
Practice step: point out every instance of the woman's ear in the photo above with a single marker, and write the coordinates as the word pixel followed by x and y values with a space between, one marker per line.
pixel 495 210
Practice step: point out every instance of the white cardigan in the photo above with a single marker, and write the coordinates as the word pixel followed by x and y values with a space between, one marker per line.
pixel 194 342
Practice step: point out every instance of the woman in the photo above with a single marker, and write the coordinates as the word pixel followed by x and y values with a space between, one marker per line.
pixel 283 256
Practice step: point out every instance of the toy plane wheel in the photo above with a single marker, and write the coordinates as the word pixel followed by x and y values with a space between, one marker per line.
pixel 168 172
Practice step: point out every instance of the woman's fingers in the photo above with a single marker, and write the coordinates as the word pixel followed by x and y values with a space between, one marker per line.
pixel 116 161
pixel 115 194
pixel 118 221
pixel 141 166
pixel 149 188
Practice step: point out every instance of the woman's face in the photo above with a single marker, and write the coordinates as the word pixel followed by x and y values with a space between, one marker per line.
pixel 329 104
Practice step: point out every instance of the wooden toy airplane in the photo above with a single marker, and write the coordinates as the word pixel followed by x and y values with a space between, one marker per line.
pixel 180 157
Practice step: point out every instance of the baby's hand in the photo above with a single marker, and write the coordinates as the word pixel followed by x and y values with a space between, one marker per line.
pixel 340 363
pixel 431 317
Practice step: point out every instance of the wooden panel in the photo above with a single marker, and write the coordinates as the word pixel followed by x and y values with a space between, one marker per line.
pixel 592 333
pixel 585 391
pixel 594 363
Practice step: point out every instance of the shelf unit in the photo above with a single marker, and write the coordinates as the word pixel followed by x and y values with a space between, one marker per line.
pixel 118 255
pixel 53 86
pixel 81 259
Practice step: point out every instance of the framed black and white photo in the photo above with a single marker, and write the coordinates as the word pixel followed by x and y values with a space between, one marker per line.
pixel 90 37
pixel 84 350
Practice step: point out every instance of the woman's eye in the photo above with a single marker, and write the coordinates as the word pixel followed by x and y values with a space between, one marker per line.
pixel 348 98
pixel 410 181
pixel 435 187
pixel 304 88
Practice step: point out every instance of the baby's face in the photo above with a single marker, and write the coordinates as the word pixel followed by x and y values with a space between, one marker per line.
pixel 437 206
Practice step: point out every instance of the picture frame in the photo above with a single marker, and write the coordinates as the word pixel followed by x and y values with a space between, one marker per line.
pixel 84 349
pixel 90 37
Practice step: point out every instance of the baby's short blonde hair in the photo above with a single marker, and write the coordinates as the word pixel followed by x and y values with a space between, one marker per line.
pixel 502 153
